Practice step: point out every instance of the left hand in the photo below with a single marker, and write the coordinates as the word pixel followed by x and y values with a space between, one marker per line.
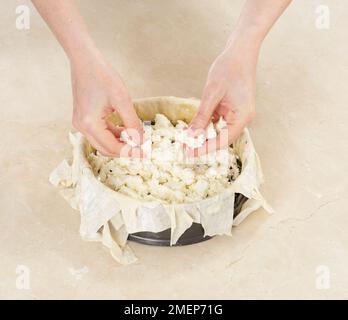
pixel 229 92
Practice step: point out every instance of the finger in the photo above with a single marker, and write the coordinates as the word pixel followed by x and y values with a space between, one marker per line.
pixel 215 117
pixel 130 118
pixel 234 131
pixel 128 152
pixel 136 136
pixel 116 130
pixel 225 137
pixel 97 145
pixel 207 106
pixel 219 142
pixel 120 150
pixel 133 134
pixel 102 136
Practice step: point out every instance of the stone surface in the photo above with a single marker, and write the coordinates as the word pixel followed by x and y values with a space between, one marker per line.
pixel 165 48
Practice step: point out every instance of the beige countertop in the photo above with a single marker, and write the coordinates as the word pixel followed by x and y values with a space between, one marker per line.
pixel 165 48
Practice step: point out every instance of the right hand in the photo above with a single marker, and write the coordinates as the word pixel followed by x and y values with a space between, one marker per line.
pixel 229 93
pixel 98 91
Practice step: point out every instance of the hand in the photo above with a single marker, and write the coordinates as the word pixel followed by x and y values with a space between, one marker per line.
pixel 97 92
pixel 230 93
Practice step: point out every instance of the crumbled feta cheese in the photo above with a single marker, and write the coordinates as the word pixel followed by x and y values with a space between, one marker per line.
pixel 166 174
pixel 181 124
pixel 211 172
pixel 161 121
pixel 192 142
pixel 187 176
pixel 200 188
pixel 147 147
pixel 211 132
pixel 126 139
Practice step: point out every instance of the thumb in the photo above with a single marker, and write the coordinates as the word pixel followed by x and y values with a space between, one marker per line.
pixel 127 113
pixel 130 119
pixel 205 111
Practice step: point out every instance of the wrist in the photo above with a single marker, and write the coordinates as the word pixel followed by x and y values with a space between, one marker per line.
pixel 87 56
pixel 83 52
pixel 246 44
pixel 242 49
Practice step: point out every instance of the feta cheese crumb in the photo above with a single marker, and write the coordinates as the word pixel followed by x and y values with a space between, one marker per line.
pixel 211 132
pixel 192 142
pixel 126 139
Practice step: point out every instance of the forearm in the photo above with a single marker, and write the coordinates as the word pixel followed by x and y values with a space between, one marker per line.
pixel 255 21
pixel 65 21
